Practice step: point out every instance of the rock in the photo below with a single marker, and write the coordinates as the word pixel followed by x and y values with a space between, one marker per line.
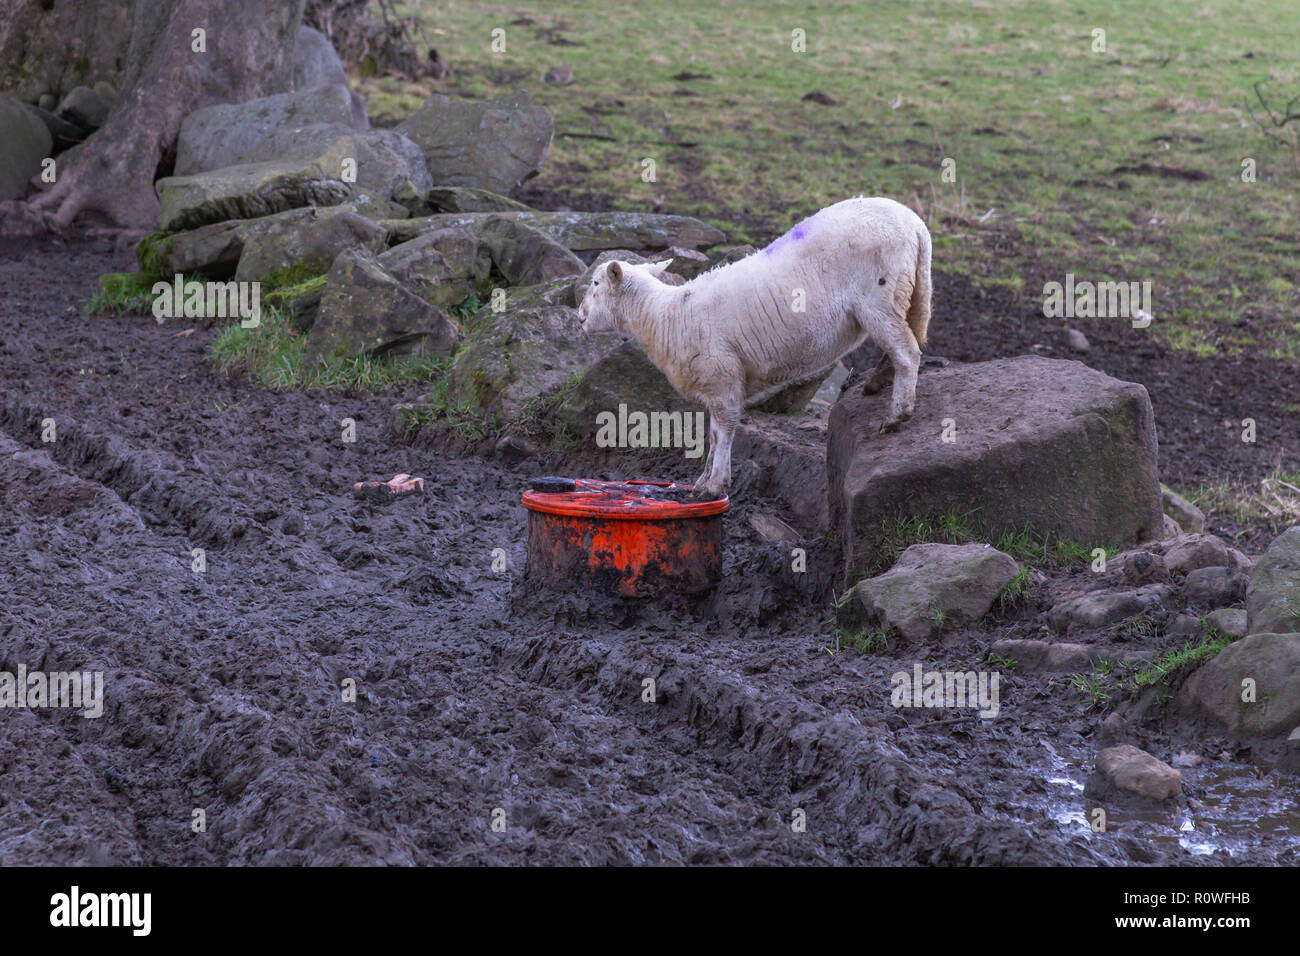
pixel 821 98
pixel 795 396
pixel 247 192
pixel 84 107
pixel 525 256
pixel 687 263
pixel 828 393
pixel 1113 730
pixel 932 588
pixel 1229 620
pixel 586 231
pixel 1140 566
pixel 554 292
pixel 1185 758
pixel 1169 528
pixel 1077 340
pixel 441 267
pixel 1103 608
pixel 1045 445
pixel 1272 662
pixel 1128 776
pixel 215 249
pixel 725 255
pixel 772 528
pixel 24 142
pixel 365 310
pixel 445 199
pixel 558 75
pixel 360 111
pixel 1273 597
pixel 1188 516
pixel 47 102
pixel 511 358
pixel 302 247
pixel 1189 552
pixel 215 137
pixel 315 63
pixel 106 90
pixel 1056 657
pixel 64 134
pixel 1215 587
pixel 621 374
pixel 493 144
pixel 513 448
pixel 1289 762
pixel 301 302
pixel 384 159
pixel 1184 625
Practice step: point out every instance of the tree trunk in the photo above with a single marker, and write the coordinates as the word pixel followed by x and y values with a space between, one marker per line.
pixel 249 53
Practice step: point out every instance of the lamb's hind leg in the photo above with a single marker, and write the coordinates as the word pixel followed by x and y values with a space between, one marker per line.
pixel 901 346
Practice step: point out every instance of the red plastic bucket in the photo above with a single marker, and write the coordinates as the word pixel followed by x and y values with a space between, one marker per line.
pixel 633 538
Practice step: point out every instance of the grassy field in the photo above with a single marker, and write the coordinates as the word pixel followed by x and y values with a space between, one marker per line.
pixel 1122 164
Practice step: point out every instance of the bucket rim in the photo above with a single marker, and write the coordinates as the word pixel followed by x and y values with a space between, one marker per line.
pixel 616 500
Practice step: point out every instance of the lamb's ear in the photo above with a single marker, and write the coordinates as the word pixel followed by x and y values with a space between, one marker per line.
pixel 615 272
pixel 657 268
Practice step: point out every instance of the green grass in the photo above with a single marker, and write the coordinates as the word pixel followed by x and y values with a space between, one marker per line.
pixel 867 640
pixel 1111 682
pixel 271 355
pixel 900 533
pixel 122 292
pixel 1016 590
pixel 1035 120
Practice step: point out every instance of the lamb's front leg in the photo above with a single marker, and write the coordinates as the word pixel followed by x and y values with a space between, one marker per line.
pixel 708 462
pixel 723 421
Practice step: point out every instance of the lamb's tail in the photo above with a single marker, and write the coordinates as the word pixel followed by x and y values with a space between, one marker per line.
pixel 918 311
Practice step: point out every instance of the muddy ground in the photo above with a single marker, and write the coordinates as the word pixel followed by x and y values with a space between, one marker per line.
pixel 475 691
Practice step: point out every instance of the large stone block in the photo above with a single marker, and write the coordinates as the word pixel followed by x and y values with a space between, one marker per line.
pixel 1262 667
pixel 490 144
pixel 1051 446
pixel 218 136
pixel 1273 597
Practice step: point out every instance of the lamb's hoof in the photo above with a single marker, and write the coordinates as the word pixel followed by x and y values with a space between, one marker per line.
pixel 705 493
pixel 894 424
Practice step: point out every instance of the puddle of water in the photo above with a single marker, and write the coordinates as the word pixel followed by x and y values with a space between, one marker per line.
pixel 1237 810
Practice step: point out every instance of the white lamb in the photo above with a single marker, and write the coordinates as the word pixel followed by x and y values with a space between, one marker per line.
pixel 855 271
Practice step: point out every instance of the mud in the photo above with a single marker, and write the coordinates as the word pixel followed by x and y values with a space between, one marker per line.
pixel 477 695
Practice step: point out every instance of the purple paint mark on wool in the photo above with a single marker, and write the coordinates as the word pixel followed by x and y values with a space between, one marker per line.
pixel 798 232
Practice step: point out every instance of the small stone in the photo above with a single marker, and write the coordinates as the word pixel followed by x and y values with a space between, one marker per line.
pixel 84 107
pixel 559 75
pixel 1130 776
pixel 817 96
pixel 1188 516
pixel 1230 621
pixel 1077 340
pixel 1215 587
pixel 1103 608
pixel 513 448
pixel 1113 730
pixel 772 528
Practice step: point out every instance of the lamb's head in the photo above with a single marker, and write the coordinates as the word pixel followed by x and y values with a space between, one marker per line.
pixel 603 308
